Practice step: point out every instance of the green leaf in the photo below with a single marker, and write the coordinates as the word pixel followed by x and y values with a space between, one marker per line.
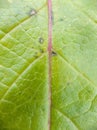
pixel 25 66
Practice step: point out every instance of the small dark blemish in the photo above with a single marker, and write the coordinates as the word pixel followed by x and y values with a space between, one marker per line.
pixel 68 83
pixel 61 19
pixel 41 40
pixel 36 55
pixel 54 53
pixel 33 12
pixel 41 50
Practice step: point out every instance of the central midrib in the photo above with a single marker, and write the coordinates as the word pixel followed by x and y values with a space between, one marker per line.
pixel 49 59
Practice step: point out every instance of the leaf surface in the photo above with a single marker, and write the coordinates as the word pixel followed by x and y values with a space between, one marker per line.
pixel 24 66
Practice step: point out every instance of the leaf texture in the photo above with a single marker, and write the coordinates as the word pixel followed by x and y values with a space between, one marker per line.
pixel 24 65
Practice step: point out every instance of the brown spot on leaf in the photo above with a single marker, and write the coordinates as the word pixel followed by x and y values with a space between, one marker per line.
pixel 54 53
